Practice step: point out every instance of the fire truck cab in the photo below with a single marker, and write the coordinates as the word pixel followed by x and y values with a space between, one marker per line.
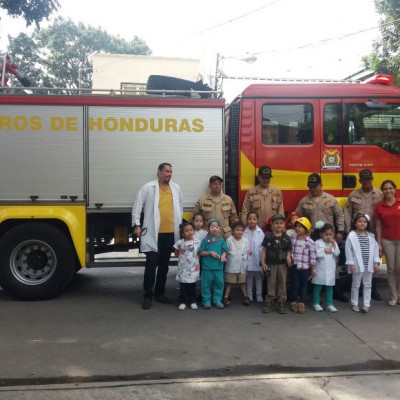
pixel 334 129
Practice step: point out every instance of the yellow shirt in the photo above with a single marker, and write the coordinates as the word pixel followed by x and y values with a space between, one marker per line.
pixel 166 208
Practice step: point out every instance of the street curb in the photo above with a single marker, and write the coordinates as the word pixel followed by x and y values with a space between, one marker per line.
pixel 97 385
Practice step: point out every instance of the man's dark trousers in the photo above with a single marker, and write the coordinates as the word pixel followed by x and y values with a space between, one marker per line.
pixel 158 259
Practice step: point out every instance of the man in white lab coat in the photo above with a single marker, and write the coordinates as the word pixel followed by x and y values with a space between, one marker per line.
pixel 162 207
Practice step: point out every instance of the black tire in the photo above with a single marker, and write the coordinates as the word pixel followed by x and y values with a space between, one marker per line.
pixel 162 82
pixel 37 261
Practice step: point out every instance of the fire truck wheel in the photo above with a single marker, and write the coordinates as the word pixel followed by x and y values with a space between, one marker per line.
pixel 163 82
pixel 36 261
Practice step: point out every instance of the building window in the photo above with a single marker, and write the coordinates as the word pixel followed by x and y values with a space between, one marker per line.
pixel 133 89
pixel 287 124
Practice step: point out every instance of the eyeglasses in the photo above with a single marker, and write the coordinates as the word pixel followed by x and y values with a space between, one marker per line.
pixel 214 228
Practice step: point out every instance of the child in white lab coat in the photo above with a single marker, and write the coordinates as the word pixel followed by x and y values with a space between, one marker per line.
pixel 255 275
pixel 323 274
pixel 362 258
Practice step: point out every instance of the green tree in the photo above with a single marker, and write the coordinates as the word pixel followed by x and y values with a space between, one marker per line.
pixel 386 55
pixel 31 10
pixel 53 57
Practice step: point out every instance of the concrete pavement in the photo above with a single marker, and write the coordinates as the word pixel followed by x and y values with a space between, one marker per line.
pixel 97 332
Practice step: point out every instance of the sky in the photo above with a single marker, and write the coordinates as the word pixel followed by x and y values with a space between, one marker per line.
pixel 321 39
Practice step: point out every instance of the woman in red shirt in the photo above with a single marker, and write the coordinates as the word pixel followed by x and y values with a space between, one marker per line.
pixel 387 216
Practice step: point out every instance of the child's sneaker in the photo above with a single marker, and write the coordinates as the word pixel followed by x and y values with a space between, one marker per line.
pixel 331 308
pixel 182 306
pixel 259 298
pixel 365 309
pixel 193 306
pixel 355 308
pixel 302 308
pixel 207 306
pixel 294 307
pixel 219 306
pixel 317 307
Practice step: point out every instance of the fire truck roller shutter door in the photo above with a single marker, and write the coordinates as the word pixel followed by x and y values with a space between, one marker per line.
pixel 37 261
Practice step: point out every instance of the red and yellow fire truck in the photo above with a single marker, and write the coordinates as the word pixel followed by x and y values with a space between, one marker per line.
pixel 335 129
pixel 71 164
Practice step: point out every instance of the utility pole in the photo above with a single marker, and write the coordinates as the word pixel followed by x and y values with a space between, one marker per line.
pixel 249 58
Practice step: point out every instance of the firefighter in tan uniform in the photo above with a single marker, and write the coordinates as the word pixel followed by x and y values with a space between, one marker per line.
pixel 264 199
pixel 216 204
pixel 363 201
pixel 321 206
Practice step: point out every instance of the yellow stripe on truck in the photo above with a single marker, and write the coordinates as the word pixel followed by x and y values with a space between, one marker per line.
pixel 247 173
pixel 73 216
pixel 285 179
pixel 297 180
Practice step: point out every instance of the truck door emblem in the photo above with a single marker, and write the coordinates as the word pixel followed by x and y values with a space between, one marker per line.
pixel 331 159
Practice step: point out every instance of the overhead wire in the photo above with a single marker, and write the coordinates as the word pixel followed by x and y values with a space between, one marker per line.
pixel 237 18
pixel 300 47
pixel 324 41
pixel 207 29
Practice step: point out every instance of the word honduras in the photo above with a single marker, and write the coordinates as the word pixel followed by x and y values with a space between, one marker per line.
pixel 99 124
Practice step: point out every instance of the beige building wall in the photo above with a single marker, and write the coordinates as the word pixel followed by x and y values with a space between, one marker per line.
pixel 111 70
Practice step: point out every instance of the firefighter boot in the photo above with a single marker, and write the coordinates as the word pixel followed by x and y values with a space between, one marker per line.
pixel 282 307
pixel 268 305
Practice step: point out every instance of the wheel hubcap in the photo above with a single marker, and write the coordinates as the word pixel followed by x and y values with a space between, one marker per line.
pixel 33 262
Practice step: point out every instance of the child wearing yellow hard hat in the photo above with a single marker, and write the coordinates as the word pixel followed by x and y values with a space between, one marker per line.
pixel 304 258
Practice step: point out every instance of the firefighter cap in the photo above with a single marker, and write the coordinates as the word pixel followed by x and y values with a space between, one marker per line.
pixel 366 174
pixel 215 178
pixel 313 180
pixel 265 172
